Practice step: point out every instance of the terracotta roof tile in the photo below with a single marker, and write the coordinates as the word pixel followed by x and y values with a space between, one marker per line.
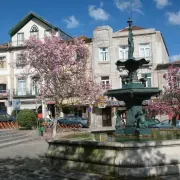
pixel 134 28
pixel 85 38
pixel 3 46
pixel 176 62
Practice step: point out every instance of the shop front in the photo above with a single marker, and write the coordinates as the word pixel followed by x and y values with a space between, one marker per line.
pixel 104 113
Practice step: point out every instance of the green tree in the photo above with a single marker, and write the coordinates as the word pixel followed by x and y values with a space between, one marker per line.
pixel 27 118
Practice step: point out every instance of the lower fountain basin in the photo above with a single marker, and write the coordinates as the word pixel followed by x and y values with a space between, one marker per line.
pixel 117 159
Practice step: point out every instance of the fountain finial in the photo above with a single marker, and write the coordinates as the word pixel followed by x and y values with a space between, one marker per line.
pixel 130 40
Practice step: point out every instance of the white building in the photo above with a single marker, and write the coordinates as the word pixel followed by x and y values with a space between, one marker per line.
pixel 109 46
pixel 23 88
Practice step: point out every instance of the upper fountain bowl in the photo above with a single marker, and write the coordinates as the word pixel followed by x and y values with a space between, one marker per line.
pixel 132 64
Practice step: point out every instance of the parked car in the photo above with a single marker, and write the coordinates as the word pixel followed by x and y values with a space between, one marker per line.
pixel 166 124
pixel 74 120
pixel 151 121
pixel 7 118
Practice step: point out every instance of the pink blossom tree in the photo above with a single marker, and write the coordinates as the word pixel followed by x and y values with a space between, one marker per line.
pixel 169 102
pixel 63 70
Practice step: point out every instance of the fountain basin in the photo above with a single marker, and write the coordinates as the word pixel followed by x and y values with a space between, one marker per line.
pixel 117 159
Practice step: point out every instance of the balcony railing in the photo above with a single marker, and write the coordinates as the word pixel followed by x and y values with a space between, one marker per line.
pixel 3 93
pixel 26 92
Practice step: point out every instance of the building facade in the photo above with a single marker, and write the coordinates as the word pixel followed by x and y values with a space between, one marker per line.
pixel 108 47
pixel 16 84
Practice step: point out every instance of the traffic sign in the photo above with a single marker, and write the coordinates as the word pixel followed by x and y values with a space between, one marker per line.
pixel 16 104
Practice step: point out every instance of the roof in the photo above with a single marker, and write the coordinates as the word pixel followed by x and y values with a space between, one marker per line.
pixel 3 46
pixel 176 62
pixel 27 18
pixel 85 39
pixel 165 66
pixel 134 28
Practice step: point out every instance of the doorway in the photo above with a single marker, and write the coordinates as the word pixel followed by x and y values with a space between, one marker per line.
pixel 51 109
pixel 106 116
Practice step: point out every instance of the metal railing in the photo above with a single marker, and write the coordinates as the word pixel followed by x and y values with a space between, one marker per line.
pixel 3 93
pixel 26 92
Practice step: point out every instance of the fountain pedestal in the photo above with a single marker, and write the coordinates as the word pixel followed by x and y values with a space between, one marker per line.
pixel 133 94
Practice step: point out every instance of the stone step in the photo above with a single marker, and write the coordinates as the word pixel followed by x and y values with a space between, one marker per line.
pixel 13 138
pixel 16 142
pixel 9 134
pixel 4 132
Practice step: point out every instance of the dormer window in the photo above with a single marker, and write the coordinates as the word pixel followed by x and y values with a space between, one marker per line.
pixel 48 33
pixel 20 39
pixel 34 32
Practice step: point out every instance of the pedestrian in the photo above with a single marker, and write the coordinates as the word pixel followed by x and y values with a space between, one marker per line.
pixel 41 129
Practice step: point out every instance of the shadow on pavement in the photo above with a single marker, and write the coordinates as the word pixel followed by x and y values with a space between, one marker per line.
pixel 37 168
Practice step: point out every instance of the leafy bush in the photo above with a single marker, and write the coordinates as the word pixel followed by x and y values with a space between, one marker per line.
pixel 27 118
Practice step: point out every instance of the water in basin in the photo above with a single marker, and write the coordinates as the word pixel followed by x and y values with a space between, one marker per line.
pixel 156 135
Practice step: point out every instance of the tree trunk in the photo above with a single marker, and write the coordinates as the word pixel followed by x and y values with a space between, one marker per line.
pixel 174 120
pixel 58 112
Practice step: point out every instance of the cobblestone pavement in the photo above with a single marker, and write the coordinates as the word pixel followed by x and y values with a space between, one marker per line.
pixel 26 162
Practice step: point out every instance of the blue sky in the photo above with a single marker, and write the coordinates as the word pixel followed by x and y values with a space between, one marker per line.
pixel 78 17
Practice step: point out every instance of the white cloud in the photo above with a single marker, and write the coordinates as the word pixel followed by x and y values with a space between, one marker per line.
pixel 71 22
pixel 175 58
pixel 101 4
pixel 98 13
pixel 131 5
pixel 162 3
pixel 174 17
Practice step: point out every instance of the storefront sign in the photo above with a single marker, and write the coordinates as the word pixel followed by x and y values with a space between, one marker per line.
pixel 101 105
pixel 16 104
pixel 89 109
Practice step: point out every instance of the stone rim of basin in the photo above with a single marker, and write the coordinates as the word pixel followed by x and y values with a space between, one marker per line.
pixel 129 144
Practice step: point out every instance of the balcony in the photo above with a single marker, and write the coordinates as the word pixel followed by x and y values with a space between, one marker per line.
pixel 25 93
pixel 21 43
pixel 16 43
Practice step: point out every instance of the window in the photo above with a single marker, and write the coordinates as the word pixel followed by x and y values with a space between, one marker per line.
pixel 20 39
pixel 147 78
pixel 105 82
pixel 35 86
pixel 48 33
pixel 20 61
pixel 103 54
pixel 3 89
pixel 3 62
pixel 123 52
pixel 34 32
pixel 21 87
pixel 144 50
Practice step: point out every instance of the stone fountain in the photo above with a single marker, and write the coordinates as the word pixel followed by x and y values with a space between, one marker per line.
pixel 133 94
pixel 131 158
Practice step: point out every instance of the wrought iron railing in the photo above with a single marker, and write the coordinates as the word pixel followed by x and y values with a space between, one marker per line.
pixel 26 92
pixel 3 93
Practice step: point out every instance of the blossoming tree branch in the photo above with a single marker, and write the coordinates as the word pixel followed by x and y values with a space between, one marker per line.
pixel 63 70
pixel 169 102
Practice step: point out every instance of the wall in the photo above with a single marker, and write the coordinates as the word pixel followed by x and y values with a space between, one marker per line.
pixel 5 76
pixel 105 37
pixel 27 28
